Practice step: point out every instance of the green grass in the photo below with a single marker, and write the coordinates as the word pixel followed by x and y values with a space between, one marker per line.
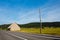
pixel 0 28
pixel 53 31
pixel 30 30
pixel 46 30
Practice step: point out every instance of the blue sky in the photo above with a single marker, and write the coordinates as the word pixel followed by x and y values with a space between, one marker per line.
pixel 26 11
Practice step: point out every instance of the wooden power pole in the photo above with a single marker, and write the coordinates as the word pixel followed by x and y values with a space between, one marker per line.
pixel 40 17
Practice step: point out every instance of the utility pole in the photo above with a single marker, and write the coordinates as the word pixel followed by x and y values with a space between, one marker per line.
pixel 40 17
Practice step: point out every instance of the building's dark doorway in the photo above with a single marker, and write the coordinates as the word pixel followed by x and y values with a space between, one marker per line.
pixel 8 29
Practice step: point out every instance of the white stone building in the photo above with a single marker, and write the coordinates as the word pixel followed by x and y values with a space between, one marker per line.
pixel 14 27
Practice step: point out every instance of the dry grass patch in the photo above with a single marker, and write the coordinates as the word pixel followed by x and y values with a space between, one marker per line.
pixel 46 30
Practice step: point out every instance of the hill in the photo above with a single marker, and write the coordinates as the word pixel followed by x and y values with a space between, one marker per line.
pixel 44 24
pixel 34 25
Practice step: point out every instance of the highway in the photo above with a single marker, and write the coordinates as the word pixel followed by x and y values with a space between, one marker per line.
pixel 8 35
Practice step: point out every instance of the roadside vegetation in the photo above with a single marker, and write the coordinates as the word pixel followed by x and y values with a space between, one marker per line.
pixel 52 28
pixel 45 30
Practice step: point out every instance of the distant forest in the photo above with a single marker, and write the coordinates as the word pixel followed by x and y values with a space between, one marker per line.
pixel 44 24
pixel 34 25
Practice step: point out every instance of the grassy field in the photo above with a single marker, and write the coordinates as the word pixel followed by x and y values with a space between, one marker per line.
pixel 46 30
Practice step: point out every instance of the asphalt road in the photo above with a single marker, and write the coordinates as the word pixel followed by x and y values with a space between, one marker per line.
pixel 7 35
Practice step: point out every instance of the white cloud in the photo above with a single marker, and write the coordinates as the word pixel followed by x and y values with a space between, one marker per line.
pixel 52 15
pixel 29 16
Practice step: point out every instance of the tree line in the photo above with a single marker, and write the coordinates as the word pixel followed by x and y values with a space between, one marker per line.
pixel 34 25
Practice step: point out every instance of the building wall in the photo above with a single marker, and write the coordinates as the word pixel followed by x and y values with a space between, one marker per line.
pixel 14 28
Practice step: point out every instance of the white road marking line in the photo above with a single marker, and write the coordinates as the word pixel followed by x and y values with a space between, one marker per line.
pixel 17 36
pixel 47 37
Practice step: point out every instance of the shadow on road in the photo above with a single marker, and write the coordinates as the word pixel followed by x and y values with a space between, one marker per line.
pixel 56 39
